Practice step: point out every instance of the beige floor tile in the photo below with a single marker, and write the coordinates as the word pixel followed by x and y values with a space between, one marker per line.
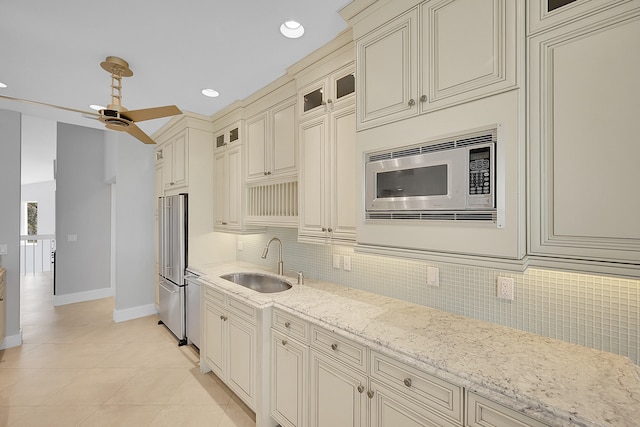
pixel 38 386
pixel 237 416
pixel 189 416
pixel 150 387
pixel 93 388
pixel 201 389
pixel 121 416
pixel 50 416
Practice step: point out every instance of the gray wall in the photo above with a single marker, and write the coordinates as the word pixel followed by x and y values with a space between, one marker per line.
pixel 83 208
pixel 134 234
pixel 10 214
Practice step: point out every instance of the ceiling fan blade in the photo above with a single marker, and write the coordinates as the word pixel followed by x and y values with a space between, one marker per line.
pixel 136 132
pixel 151 113
pixel 73 110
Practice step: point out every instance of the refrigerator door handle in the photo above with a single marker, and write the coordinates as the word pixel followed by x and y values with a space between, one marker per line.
pixel 169 290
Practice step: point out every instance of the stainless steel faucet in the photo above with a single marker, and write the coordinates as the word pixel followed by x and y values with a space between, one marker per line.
pixel 266 251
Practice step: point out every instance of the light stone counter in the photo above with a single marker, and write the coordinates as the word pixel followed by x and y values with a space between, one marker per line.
pixel 554 381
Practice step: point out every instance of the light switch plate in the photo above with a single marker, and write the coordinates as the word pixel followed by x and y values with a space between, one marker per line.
pixel 347 263
pixel 433 276
pixel 3 250
pixel 240 245
pixel 336 261
pixel 72 237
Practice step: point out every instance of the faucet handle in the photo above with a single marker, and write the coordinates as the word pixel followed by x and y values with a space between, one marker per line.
pixel 300 276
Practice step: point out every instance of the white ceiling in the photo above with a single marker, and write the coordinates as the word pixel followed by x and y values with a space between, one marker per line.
pixel 51 51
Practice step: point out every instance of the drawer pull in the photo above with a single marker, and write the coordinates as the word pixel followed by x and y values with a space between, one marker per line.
pixel 334 347
pixel 284 342
pixel 370 394
pixel 360 389
pixel 407 382
pixel 287 324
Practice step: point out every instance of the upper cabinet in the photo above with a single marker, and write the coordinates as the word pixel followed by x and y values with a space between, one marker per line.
pixel 545 14
pixel 583 133
pixel 327 93
pixel 230 135
pixel 271 142
pixel 438 54
pixel 175 154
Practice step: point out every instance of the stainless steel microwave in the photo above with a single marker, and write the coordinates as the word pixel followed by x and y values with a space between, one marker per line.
pixel 455 175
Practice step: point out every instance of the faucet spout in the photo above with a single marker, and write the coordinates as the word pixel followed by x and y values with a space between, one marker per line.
pixel 266 250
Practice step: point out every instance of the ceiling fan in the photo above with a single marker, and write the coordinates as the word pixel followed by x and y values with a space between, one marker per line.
pixel 115 116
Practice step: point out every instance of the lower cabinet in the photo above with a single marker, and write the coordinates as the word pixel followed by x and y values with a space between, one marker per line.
pixel 289 380
pixel 230 342
pixel 483 412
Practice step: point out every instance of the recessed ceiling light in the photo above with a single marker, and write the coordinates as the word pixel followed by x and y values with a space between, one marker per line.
pixel 210 93
pixel 2 85
pixel 292 29
pixel 96 107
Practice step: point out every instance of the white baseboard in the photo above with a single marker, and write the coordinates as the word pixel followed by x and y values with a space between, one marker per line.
pixel 12 341
pixel 134 312
pixel 82 296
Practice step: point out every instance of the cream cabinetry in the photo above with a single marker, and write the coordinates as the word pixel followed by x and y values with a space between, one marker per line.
pixel 483 412
pixel 583 86
pixel 327 93
pixel 3 304
pixel 175 154
pixel 327 177
pixel 228 136
pixel 230 343
pixel 228 189
pixel 289 378
pixel 271 142
pixel 435 55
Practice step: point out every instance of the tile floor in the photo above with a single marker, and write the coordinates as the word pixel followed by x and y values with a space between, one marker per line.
pixel 79 368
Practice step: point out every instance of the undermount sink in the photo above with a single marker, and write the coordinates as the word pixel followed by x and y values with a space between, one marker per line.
pixel 258 282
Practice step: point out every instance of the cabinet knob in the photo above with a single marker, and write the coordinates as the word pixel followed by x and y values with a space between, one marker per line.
pixel 360 388
pixel 334 347
pixel 407 382
pixel 224 223
pixel 223 318
pixel 330 230
pixel 172 183
pixel 370 394
pixel 412 102
pixel 264 173
pixel 423 98
pixel 268 173
pixel 284 342
pixel 287 324
pixel 324 229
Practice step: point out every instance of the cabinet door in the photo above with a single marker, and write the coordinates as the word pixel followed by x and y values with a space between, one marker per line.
pixel 467 50
pixel 234 187
pixel 343 176
pixel 288 381
pixel 256 138
pixel 390 409
pixel 242 356
pixel 338 394
pixel 583 137
pixel 387 72
pixel 214 338
pixel 313 136
pixel 175 161
pixel 221 196
pixel 283 153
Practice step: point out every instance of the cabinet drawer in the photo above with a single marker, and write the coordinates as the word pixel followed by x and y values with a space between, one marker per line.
pixel 243 310
pixel 438 395
pixel 345 350
pixel 483 412
pixel 290 325
pixel 214 295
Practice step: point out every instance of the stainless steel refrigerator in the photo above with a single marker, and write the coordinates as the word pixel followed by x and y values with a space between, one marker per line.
pixel 172 262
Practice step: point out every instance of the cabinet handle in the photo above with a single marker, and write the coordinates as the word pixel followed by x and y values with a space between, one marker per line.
pixel 224 223
pixel 423 98
pixel 284 342
pixel 334 347
pixel 407 382
pixel 370 394
pixel 287 324
pixel 360 389
pixel 412 102
pixel 172 183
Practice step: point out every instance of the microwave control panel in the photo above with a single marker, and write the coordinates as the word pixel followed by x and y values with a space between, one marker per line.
pixel 480 171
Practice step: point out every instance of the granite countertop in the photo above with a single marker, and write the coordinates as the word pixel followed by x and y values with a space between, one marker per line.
pixel 553 381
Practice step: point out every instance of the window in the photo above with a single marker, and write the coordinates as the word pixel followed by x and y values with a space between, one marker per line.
pixel 32 220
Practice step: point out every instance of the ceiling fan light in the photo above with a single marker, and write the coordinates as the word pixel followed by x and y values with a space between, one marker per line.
pixel 2 85
pixel 210 93
pixel 96 107
pixel 292 29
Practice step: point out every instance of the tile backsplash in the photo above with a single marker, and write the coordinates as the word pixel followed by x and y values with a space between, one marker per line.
pixel 595 311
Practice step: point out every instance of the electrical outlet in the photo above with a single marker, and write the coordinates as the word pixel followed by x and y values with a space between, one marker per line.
pixel 336 261
pixel 3 249
pixel 505 288
pixel 433 276
pixel 72 237
pixel 347 263
pixel 240 244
